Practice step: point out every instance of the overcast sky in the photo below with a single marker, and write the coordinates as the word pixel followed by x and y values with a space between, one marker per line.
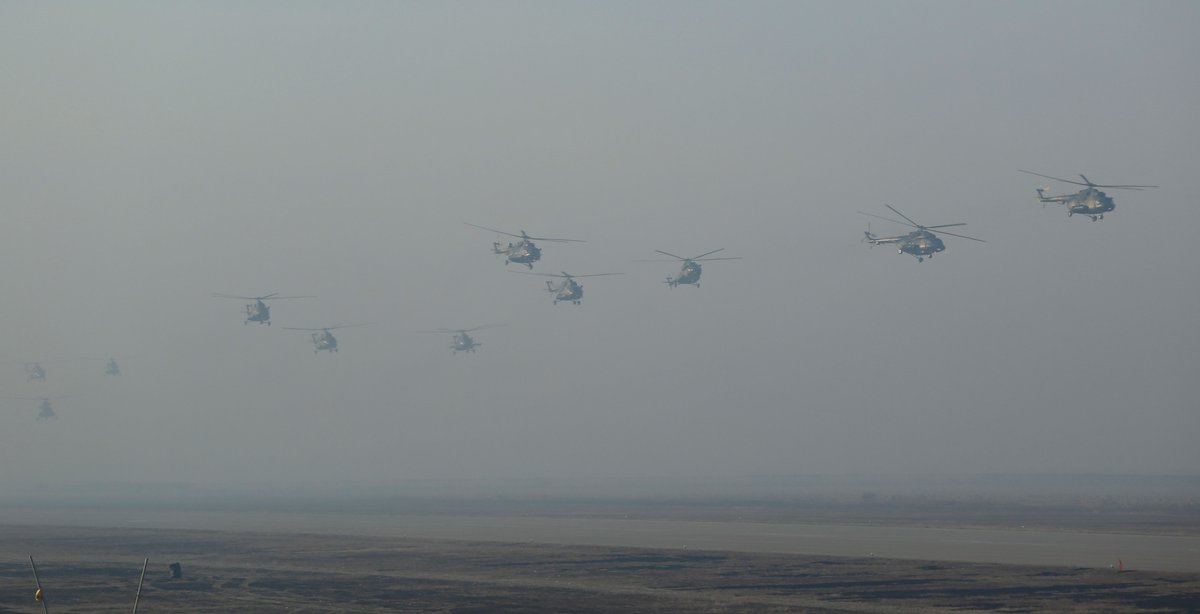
pixel 154 153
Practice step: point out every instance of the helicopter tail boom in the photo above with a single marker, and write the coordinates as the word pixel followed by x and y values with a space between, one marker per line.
pixel 874 239
pixel 1042 198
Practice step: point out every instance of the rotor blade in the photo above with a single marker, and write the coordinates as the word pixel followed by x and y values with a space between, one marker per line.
pixel 947 225
pixel 277 298
pixel 897 212
pixel 525 236
pixel 470 330
pixel 493 230
pixel 1054 178
pixel 597 275
pixel 299 328
pixel 1124 187
pixel 347 325
pixel 654 260
pixel 711 259
pixel 706 253
pixel 888 219
pixel 943 232
pixel 541 274
pixel 670 254
pixel 552 240
pixel 243 298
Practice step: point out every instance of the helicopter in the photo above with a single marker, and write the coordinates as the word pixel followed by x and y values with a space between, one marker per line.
pixel 45 408
pixel 689 274
pixel 921 243
pixel 523 251
pixel 111 367
pixel 321 337
pixel 35 372
pixel 1089 201
pixel 568 289
pixel 258 310
pixel 462 342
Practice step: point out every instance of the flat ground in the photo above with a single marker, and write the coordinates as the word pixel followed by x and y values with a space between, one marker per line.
pixel 96 569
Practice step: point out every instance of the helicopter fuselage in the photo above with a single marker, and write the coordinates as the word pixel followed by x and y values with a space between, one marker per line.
pixel 36 373
pixel 568 290
pixel 463 343
pixel 921 243
pixel 258 312
pixel 522 252
pixel 45 410
pixel 112 368
pixel 689 274
pixel 324 340
pixel 1088 201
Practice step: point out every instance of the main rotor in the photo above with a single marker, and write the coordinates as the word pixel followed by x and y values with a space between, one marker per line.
pixel 700 258
pixel 565 275
pixel 326 329
pixel 909 222
pixel 525 237
pixel 274 296
pixel 463 330
pixel 1088 182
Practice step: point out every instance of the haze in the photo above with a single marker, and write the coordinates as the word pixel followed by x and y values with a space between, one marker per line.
pixel 155 153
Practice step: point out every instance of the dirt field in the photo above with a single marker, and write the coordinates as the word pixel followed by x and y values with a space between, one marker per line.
pixel 93 570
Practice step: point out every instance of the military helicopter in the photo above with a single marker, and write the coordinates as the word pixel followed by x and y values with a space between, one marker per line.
pixel 45 408
pixel 258 310
pixel 690 272
pixel 523 251
pixel 1089 201
pixel 568 289
pixel 921 243
pixel 35 372
pixel 321 337
pixel 111 367
pixel 462 342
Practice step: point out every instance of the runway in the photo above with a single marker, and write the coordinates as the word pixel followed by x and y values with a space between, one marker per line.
pixel 1006 546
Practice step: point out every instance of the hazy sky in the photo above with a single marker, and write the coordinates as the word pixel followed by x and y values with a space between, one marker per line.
pixel 154 153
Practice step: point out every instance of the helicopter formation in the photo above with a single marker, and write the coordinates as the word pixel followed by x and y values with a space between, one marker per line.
pixel 922 242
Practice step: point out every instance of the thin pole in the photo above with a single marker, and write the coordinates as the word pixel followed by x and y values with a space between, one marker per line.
pixel 45 608
pixel 139 591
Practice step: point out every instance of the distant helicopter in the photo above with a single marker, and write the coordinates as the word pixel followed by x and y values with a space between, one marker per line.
pixel 321 337
pixel 45 408
pixel 523 251
pixel 690 272
pixel 111 367
pixel 35 372
pixel 258 310
pixel 1089 201
pixel 568 289
pixel 921 243
pixel 462 342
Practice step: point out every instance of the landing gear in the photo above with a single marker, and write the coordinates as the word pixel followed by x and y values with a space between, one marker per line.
pixel 920 259
pixel 530 265
pixel 577 302
pixel 1094 218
